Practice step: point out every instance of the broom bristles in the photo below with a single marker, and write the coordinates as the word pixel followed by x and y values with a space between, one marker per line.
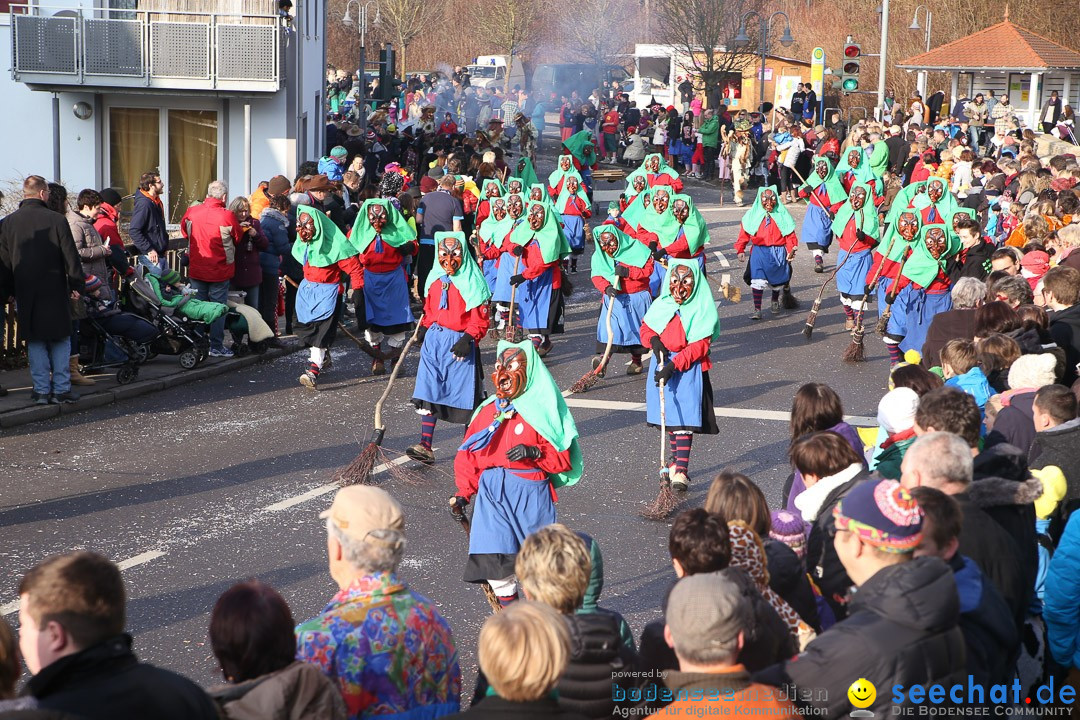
pixel 789 301
pixel 811 319
pixel 659 509
pixel 883 322
pixel 359 470
pixel 855 351
pixel 587 381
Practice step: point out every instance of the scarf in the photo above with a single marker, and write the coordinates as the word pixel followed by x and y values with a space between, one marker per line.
pixel 526 172
pixel 550 238
pixel 748 553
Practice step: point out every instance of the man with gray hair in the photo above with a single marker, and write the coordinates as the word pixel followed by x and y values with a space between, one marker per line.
pixel 707 621
pixel 1013 290
pixel 967 294
pixel 939 460
pixel 384 646
pixel 212 232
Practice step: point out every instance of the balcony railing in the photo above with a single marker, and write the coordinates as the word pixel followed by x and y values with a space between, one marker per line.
pixel 58 47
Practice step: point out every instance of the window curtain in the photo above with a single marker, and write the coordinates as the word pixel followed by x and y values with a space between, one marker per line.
pixel 134 147
pixel 193 137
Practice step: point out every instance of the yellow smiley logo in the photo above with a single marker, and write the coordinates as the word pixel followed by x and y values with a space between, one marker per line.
pixel 862 693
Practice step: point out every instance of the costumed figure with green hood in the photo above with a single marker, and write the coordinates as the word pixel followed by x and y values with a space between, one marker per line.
pixel 563 166
pixel 574 206
pixel 855 167
pixel 489 190
pixel 923 288
pixel 537 190
pixel 769 230
pixel 621 271
pixel 519 447
pixel 680 232
pixel 656 172
pixel 490 236
pixel 680 327
pixel 326 255
pixel 937 204
pixel 526 172
pixel 386 243
pixel 540 244
pixel 502 251
pixel 857 233
pixel 449 377
pixel 825 194
pixel 582 149
pixel 901 235
pixel 634 188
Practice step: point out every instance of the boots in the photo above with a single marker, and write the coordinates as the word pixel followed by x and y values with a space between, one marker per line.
pixel 77 378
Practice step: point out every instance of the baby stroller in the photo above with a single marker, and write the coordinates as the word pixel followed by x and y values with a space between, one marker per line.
pixel 107 350
pixel 178 335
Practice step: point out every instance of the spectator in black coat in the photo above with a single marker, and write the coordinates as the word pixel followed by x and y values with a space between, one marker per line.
pixel 985 619
pixel 148 225
pixel 72 626
pixel 973 260
pixel 1057 439
pixel 898 149
pixel 902 623
pixel 1061 290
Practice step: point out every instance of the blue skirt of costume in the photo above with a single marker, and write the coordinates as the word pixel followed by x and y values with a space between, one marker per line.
pixel 626 317
pixel 769 263
pixel 386 300
pixel 922 306
pixel 851 278
pixel 883 286
pixel 316 313
pixel 817 228
pixel 500 293
pixel 688 400
pixel 509 506
pixel 898 316
pixel 656 280
pixel 574 229
pixel 491 273
pixel 539 305
pixel 449 388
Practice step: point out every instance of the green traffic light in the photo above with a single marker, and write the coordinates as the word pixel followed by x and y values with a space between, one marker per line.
pixel 850 84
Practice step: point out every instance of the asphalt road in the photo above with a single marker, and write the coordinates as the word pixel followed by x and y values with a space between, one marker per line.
pixel 202 486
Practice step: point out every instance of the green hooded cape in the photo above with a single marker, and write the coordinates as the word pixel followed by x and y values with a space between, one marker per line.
pixel 946 204
pixel 630 252
pixel 863 172
pixel 564 194
pixel 483 190
pixel 751 221
pixel 328 246
pixel 395 233
pixel 833 186
pixel 553 244
pixel 866 217
pixel 922 267
pixel 970 212
pixel 636 210
pixel 555 175
pixel 582 146
pixel 543 188
pixel 541 405
pixel 902 201
pixel 695 227
pixel 900 245
pixel 665 169
pixel 526 172
pixel 469 279
pixel 698 313
pixel 491 229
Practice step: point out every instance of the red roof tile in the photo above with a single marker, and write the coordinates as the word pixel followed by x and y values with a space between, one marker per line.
pixel 998 47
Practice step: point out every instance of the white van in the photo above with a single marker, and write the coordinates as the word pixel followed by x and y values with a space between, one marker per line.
pixel 490 71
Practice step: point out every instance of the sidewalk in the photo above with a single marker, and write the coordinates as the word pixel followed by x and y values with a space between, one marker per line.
pixel 162 372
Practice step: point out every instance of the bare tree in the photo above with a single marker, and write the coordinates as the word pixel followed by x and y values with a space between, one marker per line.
pixel 703 33
pixel 510 26
pixel 597 31
pixel 405 20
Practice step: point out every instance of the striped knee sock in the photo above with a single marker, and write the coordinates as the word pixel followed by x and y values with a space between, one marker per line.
pixel 506 600
pixel 894 353
pixel 313 369
pixel 849 312
pixel 427 430
pixel 682 451
pixel 671 445
pixel 757 297
pixel 537 341
pixel 636 359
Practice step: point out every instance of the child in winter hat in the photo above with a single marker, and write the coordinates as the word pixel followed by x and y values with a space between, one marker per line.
pixel 790 530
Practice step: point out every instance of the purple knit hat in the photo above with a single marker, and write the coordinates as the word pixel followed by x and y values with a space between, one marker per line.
pixel 883 514
pixel 789 529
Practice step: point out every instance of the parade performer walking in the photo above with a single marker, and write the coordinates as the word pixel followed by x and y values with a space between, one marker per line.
pixel 326 255
pixel 770 231
pixel 574 206
pixel 739 155
pixel 924 286
pixel 540 244
pixel 855 167
pixel 506 260
pixel 582 148
pixel 526 172
pixel 680 327
pixel 825 195
pixel 538 192
pixel 656 172
pixel 857 233
pixel 519 447
pixel 937 204
pixel 386 242
pixel 634 187
pixel 621 269
pixel 449 378
pixel 489 190
pixel 490 236
pixel 563 166
pixel 897 244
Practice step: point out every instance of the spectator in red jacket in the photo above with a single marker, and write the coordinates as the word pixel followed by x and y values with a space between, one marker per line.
pixel 212 231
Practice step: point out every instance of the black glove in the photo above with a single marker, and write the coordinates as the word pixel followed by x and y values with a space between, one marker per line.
pixel 653 245
pixel 659 254
pixel 463 347
pixel 420 333
pixel 409 249
pixel 869 289
pixel 610 291
pixel 664 374
pixel 861 236
pixel 521 452
pixel 516 280
pixel 621 271
pixel 458 505
pixel 657 346
pixel 517 250
pixel 890 297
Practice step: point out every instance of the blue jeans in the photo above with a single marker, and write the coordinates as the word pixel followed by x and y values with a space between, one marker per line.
pixel 214 292
pixel 49 366
pixel 160 268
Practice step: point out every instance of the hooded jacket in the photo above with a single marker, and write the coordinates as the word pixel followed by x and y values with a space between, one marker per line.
pixel 1061 603
pixel 298 691
pixel 1065 329
pixel 902 630
pixel 591 603
pixel 985 619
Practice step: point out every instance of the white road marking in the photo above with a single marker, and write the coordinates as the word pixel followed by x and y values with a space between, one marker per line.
pixel 730 412
pixel 328 488
pixel 723 260
pixel 13 606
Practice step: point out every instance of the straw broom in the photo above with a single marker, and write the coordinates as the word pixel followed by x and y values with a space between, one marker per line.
pixel 592 377
pixel 855 351
pixel 808 330
pixel 666 500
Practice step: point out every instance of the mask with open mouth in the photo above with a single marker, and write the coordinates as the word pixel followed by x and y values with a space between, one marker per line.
pixel 498 208
pixel 377 217
pixel 305 227
pixel 822 170
pixel 907 225
pixel 654 165
pixel 660 200
pixel 571 186
pixel 450 255
pixel 536 217
pixel 609 243
pixel 681 284
pixel 510 376
pixel 515 207
pixel 935 242
pixel 639 184
pixel 768 201
pixel 858 198
pixel 681 211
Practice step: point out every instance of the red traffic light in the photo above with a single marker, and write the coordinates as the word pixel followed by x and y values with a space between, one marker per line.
pixel 852 51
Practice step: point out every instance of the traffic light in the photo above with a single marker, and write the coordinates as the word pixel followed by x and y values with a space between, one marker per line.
pixel 387 61
pixel 849 76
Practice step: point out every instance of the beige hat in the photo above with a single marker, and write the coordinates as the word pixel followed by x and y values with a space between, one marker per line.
pixel 359 510
pixel 894 130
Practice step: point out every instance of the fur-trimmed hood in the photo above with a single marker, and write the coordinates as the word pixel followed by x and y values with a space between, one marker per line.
pixel 1002 478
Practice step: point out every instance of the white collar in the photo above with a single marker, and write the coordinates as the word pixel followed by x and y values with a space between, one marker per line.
pixel 809 500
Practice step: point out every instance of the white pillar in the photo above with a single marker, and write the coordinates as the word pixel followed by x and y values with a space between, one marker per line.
pixel 1065 90
pixel 954 87
pixel 1034 91
pixel 920 84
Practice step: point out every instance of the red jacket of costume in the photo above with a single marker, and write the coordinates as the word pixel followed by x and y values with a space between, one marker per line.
pixel 533 265
pixel 930 215
pixel 664 179
pixel 684 354
pixel 821 195
pixel 454 316
pixel 483 210
pixel 937 286
pixel 469 464
pixel 212 232
pixel 105 224
pixel 636 281
pixel 850 242
pixel 681 247
pixel 333 273
pixel 577 206
pixel 391 258
pixel 766 236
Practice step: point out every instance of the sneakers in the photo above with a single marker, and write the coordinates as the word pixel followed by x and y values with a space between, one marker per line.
pixel 222 352
pixel 756 315
pixel 596 364
pixel 420 453
pixel 67 398
pixel 819 264
pixel 378 367
pixel 775 309
pixel 39 399
pixel 680 482
pixel 849 324
pixel 573 266
pixel 309 380
pixel 634 368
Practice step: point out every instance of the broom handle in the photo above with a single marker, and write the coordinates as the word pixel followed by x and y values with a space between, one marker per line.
pixel 663 422
pixel 877 275
pixel 811 196
pixel 394 374
pixel 513 293
pixel 607 350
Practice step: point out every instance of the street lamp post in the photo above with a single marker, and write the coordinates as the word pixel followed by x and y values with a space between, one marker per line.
pixel 361 28
pixel 915 26
pixel 742 40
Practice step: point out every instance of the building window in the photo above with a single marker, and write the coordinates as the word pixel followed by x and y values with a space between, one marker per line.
pixel 193 146
pixel 134 147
